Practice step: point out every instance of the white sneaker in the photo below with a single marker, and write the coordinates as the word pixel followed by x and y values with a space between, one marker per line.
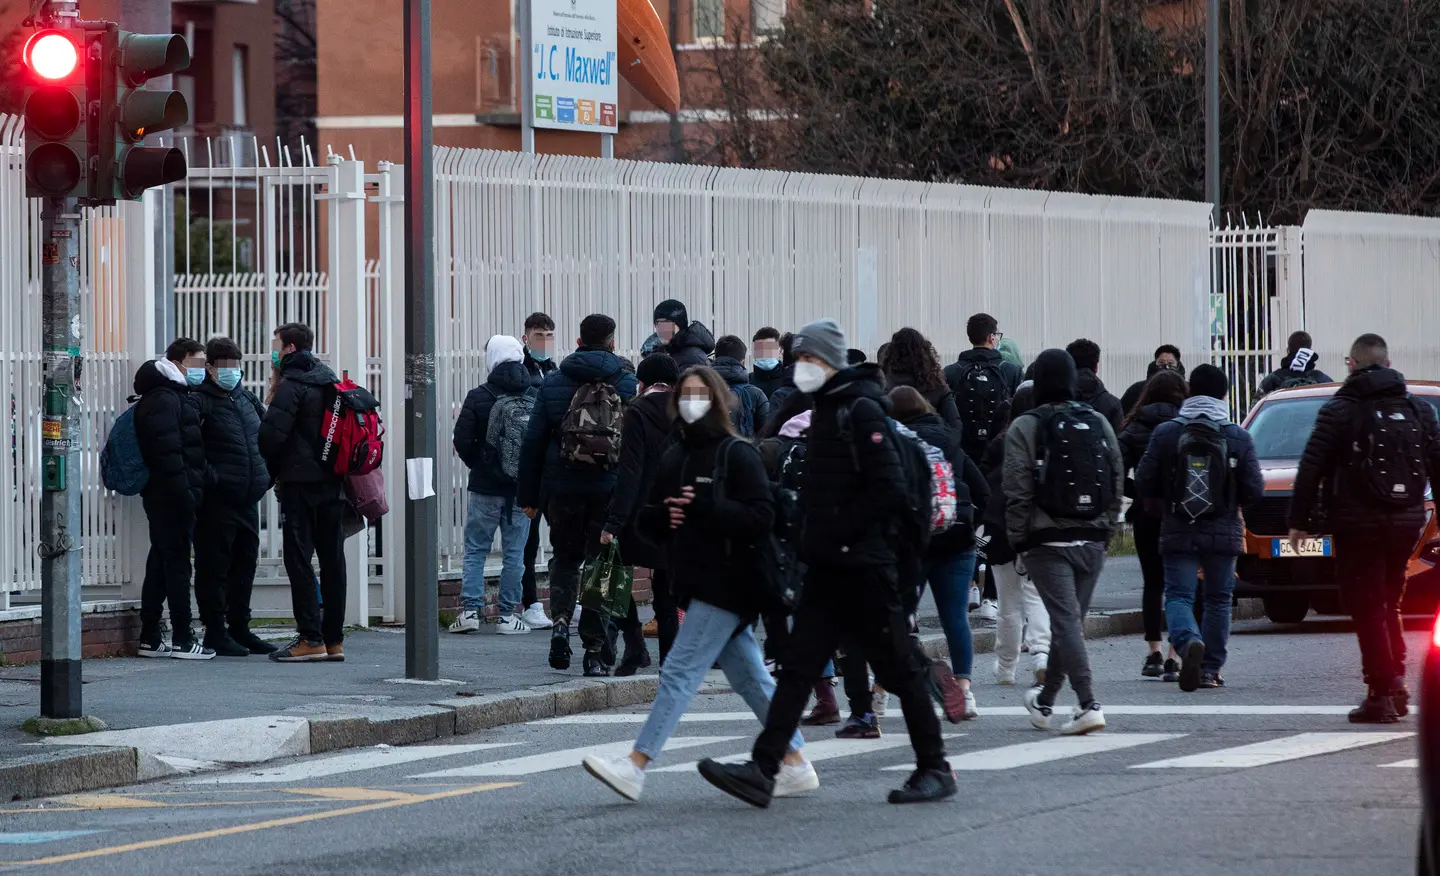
pixel 1004 674
pixel 1039 715
pixel 192 651
pixel 620 773
pixel 467 622
pixel 974 598
pixel 535 617
pixel 989 610
pixel 514 625
pixel 1039 661
pixel 575 617
pixel 971 710
pixel 1084 721
pixel 795 779
pixel 879 702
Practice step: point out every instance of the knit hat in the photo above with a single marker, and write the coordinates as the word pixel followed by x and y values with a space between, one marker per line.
pixel 1208 380
pixel 658 368
pixel 671 310
pixel 1010 351
pixel 502 348
pixel 824 340
pixel 1054 377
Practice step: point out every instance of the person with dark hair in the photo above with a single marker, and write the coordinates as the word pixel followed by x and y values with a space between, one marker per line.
pixel 1373 448
pixel 1198 472
pixel 1167 358
pixel 227 530
pixel 1297 366
pixel 1158 404
pixel 752 406
pixel 539 339
pixel 855 357
pixel 768 372
pixel 647 432
pixel 1089 389
pixel 167 428
pixel 983 383
pixel 910 360
pixel 570 458
pixel 689 343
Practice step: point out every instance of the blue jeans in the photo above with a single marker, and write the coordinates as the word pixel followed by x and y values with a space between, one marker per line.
pixel 483 516
pixel 1181 581
pixel 949 578
pixel 707 634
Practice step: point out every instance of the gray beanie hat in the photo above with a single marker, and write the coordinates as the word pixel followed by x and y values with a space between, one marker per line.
pixel 824 340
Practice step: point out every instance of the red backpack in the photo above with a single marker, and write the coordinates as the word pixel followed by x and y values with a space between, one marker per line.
pixel 352 437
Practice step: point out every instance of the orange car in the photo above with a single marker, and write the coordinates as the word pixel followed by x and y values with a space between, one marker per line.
pixel 1290 583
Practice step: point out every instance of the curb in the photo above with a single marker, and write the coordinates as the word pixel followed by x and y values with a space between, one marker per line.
pixel 74 769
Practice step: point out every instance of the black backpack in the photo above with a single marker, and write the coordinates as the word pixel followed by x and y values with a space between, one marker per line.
pixel 915 528
pixel 1303 379
pixel 1389 451
pixel 1202 483
pixel 1074 477
pixel 771 562
pixel 980 393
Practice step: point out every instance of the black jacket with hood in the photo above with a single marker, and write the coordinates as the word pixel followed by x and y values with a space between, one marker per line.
pixel 1134 440
pixel 942 399
pixel 230 426
pixel 1137 389
pixel 648 431
pixel 167 427
pixel 1277 378
pixel 290 433
pixel 1008 370
pixel 992 465
pixel 768 381
pixel 1090 390
pixel 538 368
pixel 970 485
pixel 691 346
pixel 486 477
pixel 752 397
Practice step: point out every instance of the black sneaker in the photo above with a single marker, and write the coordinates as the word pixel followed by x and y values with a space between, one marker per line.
pixel 1211 680
pixel 155 647
pixel 1172 671
pixel 635 660
pixel 743 781
pixel 856 727
pixel 924 786
pixel 1376 709
pixel 560 647
pixel 594 666
pixel 1190 665
pixel 254 643
pixel 1154 665
pixel 219 641
pixel 189 649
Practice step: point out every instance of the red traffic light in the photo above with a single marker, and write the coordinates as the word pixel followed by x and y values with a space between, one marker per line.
pixel 52 55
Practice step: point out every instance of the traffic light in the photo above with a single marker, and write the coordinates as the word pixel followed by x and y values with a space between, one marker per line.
pixel 57 148
pixel 128 112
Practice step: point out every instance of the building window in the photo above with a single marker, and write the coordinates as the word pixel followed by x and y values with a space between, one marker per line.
pixel 709 19
pixel 240 93
pixel 767 16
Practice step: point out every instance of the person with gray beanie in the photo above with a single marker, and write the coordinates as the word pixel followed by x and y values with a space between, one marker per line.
pixel 689 343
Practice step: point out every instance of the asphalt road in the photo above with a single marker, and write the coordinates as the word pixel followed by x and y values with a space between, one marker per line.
pixel 1263 777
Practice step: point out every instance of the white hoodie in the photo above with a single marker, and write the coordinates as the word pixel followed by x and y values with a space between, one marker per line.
pixel 171 371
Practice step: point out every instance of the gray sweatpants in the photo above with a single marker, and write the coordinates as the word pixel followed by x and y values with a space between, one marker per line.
pixel 1066 577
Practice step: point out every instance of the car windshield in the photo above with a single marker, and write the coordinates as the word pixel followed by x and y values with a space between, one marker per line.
pixel 1281 427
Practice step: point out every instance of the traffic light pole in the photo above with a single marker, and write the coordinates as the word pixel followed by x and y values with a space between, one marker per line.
pixel 60 497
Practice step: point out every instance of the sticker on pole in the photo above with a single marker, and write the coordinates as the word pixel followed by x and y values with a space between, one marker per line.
pixel 574 63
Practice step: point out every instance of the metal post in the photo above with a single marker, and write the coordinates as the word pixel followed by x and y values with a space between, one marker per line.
pixel 607 145
pixel 527 78
pixel 422 598
pixel 60 497
pixel 1212 109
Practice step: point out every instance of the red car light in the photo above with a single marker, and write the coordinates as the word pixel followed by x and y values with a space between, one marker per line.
pixel 1435 635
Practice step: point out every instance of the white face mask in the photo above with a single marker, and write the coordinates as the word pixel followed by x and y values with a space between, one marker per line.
pixel 809 376
pixel 692 409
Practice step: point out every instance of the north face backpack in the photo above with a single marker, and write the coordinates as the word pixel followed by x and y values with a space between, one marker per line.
pixel 980 392
pixel 1202 483
pixel 505 432
pixel 122 468
pixel 352 436
pixel 942 501
pixel 1074 476
pixel 590 430
pixel 1389 449
pixel 919 522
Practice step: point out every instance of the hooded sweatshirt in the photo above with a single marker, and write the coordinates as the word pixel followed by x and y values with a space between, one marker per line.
pixel 508 376
pixel 1090 390
pixel 1298 365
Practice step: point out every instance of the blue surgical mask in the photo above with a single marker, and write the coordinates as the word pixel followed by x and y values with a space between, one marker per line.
pixel 767 364
pixel 194 376
pixel 275 358
pixel 228 378
pixel 540 355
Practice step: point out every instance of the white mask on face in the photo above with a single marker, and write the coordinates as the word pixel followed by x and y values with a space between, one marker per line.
pixel 692 409
pixel 809 376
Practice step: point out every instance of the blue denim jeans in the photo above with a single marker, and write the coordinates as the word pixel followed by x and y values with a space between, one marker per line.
pixel 706 635
pixel 1181 580
pixel 949 579
pixel 483 516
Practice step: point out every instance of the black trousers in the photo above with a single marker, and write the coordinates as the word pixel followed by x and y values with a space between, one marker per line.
pixel 1152 570
pixel 575 524
pixel 862 605
pixel 1370 568
pixel 667 615
pixel 528 595
pixel 167 569
pixel 312 521
pixel 227 549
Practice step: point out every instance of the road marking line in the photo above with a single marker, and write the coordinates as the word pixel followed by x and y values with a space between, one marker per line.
pixel 1411 764
pixel 109 801
pixel 1218 710
pixel 371 758
pixel 570 757
pixel 42 836
pixel 825 749
pixel 352 795
pixel 1276 750
pixel 1046 750
pixel 259 825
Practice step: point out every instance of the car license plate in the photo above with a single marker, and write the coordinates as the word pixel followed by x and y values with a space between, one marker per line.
pixel 1309 547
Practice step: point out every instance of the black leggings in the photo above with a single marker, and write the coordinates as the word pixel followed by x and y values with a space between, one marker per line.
pixel 1152 569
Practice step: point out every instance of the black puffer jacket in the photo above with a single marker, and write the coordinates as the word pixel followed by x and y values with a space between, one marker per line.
pixel 167 426
pixel 970 486
pixel 853 493
pixel 704 560
pixel 290 433
pixel 691 346
pixel 1134 439
pixel 752 397
pixel 230 425
pixel 768 381
pixel 1092 392
pixel 942 399
pixel 644 437
pixel 1329 462
pixel 486 478
pixel 538 369
pixel 1277 378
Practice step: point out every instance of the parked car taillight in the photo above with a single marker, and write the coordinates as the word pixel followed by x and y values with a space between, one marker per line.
pixel 1435 635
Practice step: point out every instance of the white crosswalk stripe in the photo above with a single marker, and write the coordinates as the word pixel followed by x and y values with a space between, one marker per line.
pixel 1195 710
pixel 1275 750
pixel 368 759
pixel 1047 750
pixel 559 760
pixel 825 749
pixel 1409 764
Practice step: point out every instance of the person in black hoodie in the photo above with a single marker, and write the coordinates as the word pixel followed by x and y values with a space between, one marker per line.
pixel 1372 429
pixel 688 343
pixel 766 356
pixel 753 405
pixel 910 360
pixel 855 502
pixel 1088 388
pixel 1297 366
pixel 1167 358
pixel 312 504
pixel 539 361
pixel 979 400
pixel 167 427
pixel 648 430
pixel 227 532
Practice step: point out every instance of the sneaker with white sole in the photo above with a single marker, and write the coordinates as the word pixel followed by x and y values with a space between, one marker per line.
pixel 1039 662
pixel 535 618
pixel 1084 721
pixel 467 622
pixel 974 597
pixel 988 612
pixel 1004 673
pixel 157 648
pixel 620 773
pixel 795 779
pixel 1039 715
pixel 514 625
pixel 971 709
pixel 879 701
pixel 191 650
